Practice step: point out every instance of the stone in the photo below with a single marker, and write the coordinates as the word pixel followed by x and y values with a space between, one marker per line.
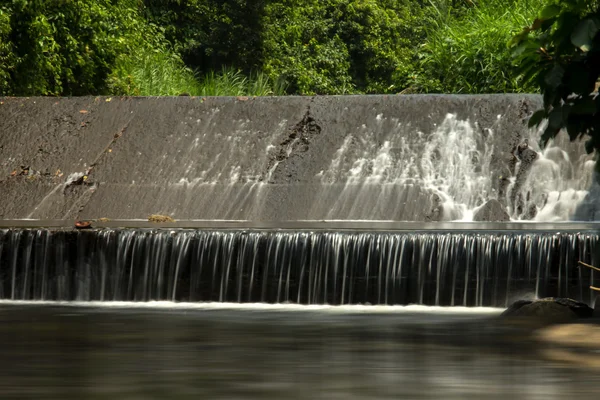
pixel 550 309
pixel 491 211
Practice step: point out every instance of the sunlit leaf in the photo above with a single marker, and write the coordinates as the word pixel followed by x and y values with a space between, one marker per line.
pixel 550 11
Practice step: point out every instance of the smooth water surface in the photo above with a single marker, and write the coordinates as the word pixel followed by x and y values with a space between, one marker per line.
pixel 224 351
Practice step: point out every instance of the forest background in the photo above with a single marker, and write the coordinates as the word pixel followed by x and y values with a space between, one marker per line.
pixel 261 47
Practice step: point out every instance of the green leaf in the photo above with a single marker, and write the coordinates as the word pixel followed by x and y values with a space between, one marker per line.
pixel 554 77
pixel 550 12
pixel 584 33
pixel 536 118
pixel 526 46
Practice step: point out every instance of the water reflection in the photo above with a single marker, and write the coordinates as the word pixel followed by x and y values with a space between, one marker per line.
pixel 64 352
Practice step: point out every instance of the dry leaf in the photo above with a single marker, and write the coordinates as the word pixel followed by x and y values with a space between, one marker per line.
pixel 109 99
pixel 242 98
pixel 83 111
pixel 160 218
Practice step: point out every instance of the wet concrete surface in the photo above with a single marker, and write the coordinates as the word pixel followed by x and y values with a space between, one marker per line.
pixel 130 352
pixel 224 158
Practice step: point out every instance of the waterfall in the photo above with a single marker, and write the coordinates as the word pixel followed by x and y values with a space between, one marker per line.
pixel 448 173
pixel 451 268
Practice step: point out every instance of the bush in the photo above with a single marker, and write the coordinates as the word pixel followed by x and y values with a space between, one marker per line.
pixel 210 34
pixel 341 46
pixel 560 54
pixel 466 48
pixel 152 72
pixel 7 59
pixel 68 48
pixel 170 47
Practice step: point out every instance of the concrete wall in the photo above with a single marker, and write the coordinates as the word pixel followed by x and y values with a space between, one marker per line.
pixel 222 158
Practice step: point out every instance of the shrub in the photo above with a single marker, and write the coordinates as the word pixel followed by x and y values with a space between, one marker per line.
pixel 466 48
pixel 341 46
pixel 152 72
pixel 560 54
pixel 7 58
pixel 69 47
pixel 210 34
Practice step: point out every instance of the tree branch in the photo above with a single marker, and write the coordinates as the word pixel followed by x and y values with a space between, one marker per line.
pixel 588 265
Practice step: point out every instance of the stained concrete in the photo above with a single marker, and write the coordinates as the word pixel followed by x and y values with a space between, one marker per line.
pixel 224 158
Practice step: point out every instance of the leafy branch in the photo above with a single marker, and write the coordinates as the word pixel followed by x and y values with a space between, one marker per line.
pixel 560 53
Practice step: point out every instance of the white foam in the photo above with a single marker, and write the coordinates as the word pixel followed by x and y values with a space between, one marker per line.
pixel 359 309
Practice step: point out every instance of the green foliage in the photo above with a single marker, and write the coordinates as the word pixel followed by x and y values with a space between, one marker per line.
pixel 341 46
pixel 210 34
pixel 7 59
pixel 158 73
pixel 233 83
pixel 465 50
pixel 62 47
pixel 152 72
pixel 560 53
pixel 171 47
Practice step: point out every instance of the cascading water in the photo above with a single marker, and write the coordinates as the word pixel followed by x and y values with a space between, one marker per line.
pixel 552 185
pixel 434 268
pixel 458 166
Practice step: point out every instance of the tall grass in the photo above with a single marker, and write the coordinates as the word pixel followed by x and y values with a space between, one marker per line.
pixel 162 73
pixel 230 82
pixel 466 50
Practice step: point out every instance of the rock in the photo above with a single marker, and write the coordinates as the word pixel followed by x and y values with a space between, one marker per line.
pixel 492 211
pixel 551 309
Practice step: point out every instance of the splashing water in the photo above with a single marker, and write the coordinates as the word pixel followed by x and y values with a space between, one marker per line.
pixel 455 164
pixel 554 185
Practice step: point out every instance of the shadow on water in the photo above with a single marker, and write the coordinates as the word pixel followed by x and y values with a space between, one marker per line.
pixel 64 352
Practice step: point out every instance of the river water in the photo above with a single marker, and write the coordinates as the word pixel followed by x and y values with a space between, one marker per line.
pixel 226 351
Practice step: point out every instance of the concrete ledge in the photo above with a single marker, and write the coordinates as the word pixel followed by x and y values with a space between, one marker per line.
pixel 392 226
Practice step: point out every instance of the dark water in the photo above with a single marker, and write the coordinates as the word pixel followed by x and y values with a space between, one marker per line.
pixel 67 352
pixel 473 268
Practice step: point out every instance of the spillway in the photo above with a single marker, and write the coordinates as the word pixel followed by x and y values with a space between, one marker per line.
pixel 449 268
pixel 394 158
pixel 367 160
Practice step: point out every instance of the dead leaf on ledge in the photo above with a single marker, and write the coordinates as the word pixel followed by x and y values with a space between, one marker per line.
pixel 160 218
pixel 83 111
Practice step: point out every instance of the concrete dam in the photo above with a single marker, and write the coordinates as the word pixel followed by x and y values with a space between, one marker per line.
pixel 425 199
pixel 392 158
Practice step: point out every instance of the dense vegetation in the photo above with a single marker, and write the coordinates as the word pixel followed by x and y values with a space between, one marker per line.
pixel 260 47
pixel 560 53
